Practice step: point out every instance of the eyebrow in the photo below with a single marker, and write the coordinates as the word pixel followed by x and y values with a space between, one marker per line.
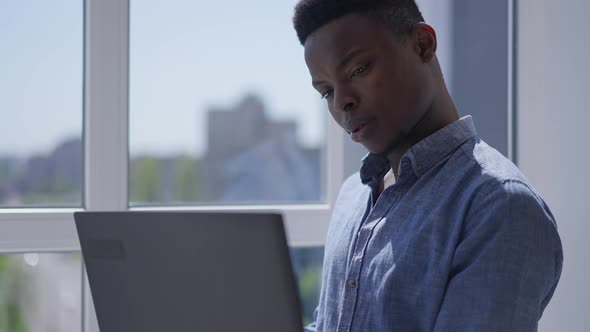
pixel 347 59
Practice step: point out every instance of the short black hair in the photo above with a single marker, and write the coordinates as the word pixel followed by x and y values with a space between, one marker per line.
pixel 400 15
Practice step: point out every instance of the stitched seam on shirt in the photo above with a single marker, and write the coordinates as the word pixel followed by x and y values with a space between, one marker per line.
pixel 491 185
pixel 523 274
pixel 558 266
pixel 348 262
pixel 495 175
pixel 526 273
pixel 495 185
pixel 501 184
pixel 531 191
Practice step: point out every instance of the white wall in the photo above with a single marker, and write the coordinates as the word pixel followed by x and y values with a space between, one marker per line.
pixel 553 139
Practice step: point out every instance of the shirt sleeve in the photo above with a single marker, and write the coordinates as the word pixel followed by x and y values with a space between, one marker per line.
pixel 505 267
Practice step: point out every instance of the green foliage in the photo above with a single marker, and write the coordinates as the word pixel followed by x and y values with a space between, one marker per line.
pixel 186 180
pixel 4 264
pixel 164 180
pixel 14 321
pixel 52 191
pixel 10 316
pixel 309 290
pixel 145 180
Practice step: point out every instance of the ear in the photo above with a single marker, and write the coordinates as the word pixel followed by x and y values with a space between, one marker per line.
pixel 424 41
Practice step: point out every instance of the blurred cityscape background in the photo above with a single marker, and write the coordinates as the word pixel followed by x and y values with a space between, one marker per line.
pixel 245 150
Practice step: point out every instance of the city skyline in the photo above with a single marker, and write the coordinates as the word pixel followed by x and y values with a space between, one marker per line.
pixel 179 67
pixel 52 146
pixel 257 154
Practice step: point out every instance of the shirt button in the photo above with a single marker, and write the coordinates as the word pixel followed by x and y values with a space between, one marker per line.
pixel 352 283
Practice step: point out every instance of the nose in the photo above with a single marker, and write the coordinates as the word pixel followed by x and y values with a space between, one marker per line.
pixel 344 100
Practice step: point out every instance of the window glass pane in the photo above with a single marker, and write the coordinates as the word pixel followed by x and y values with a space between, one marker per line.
pixel 40 292
pixel 307 264
pixel 221 105
pixel 41 103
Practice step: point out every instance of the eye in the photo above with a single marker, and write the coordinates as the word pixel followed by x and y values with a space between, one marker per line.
pixel 327 94
pixel 359 70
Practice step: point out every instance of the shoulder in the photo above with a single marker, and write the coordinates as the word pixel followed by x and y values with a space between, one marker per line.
pixel 490 162
pixel 498 179
pixel 500 195
pixel 510 196
pixel 507 210
pixel 486 176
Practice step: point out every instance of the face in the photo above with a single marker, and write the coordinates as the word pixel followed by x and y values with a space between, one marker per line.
pixel 376 84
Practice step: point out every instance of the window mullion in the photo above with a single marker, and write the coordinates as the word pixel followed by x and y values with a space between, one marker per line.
pixel 106 81
pixel 334 165
pixel 106 104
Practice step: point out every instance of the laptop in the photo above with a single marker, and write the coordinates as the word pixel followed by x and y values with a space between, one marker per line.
pixel 189 271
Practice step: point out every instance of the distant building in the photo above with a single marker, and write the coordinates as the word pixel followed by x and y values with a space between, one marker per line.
pixel 52 179
pixel 10 169
pixel 251 158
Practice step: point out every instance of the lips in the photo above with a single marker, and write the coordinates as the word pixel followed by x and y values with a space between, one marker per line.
pixel 354 126
pixel 358 129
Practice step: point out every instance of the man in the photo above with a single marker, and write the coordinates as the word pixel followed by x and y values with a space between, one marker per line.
pixel 438 231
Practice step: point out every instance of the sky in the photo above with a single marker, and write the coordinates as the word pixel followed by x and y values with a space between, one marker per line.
pixel 40 74
pixel 186 56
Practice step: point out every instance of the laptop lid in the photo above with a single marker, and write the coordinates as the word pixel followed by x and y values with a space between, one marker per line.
pixel 189 271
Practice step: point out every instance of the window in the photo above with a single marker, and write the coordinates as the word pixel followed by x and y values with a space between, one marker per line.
pixel 41 162
pixel 160 98
pixel 221 109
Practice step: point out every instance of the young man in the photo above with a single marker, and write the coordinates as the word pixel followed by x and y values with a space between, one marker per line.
pixel 439 231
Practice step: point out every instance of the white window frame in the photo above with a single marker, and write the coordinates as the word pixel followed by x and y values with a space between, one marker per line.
pixel 106 156
pixel 106 153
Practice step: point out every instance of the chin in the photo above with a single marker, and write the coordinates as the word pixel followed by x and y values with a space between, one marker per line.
pixel 375 148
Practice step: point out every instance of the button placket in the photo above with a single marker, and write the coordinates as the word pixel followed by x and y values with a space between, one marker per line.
pixel 364 234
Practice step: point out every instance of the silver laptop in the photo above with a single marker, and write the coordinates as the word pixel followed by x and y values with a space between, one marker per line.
pixel 189 271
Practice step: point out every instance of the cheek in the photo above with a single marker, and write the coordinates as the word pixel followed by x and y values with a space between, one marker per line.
pixel 391 97
pixel 397 109
pixel 389 86
pixel 400 96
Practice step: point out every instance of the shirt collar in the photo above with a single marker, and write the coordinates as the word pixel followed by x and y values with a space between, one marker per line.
pixel 423 155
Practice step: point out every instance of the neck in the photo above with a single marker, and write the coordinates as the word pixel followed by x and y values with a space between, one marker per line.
pixel 438 115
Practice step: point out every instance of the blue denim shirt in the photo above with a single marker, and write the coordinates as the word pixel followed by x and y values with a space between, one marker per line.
pixel 461 242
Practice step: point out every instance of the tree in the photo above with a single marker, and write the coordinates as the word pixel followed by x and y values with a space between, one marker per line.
pixel 145 180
